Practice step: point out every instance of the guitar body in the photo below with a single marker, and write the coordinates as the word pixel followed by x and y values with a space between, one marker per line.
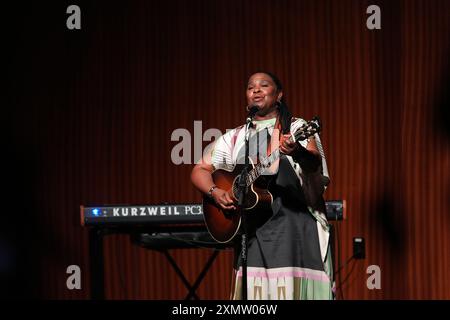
pixel 223 225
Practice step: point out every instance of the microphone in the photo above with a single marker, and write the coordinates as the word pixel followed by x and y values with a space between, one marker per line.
pixel 251 113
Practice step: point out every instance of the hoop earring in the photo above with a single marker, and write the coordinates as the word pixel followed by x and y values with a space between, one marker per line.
pixel 247 108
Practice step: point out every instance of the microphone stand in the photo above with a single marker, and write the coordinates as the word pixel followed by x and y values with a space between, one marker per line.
pixel 242 187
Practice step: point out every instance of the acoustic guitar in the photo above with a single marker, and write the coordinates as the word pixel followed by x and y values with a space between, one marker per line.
pixel 223 225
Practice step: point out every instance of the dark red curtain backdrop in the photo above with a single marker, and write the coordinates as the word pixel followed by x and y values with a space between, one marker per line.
pixel 93 112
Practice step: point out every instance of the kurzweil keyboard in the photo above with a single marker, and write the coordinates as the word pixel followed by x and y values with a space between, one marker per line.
pixel 166 214
pixel 158 227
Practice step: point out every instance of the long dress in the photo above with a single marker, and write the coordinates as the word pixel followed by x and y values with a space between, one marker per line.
pixel 289 254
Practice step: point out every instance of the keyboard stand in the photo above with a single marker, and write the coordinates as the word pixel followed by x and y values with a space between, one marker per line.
pixel 164 241
pixel 159 242
pixel 191 288
pixel 96 263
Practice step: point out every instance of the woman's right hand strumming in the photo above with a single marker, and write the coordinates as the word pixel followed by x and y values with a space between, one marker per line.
pixel 223 199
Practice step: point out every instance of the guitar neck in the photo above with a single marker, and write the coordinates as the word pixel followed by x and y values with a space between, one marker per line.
pixel 302 133
pixel 265 163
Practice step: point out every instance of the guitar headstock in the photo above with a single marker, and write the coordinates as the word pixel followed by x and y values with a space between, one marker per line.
pixel 309 129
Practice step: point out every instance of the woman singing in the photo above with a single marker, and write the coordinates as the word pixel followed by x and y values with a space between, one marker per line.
pixel 288 253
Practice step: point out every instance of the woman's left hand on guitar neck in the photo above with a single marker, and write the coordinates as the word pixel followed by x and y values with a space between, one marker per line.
pixel 287 144
pixel 308 158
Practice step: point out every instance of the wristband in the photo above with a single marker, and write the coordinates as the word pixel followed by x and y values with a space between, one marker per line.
pixel 210 191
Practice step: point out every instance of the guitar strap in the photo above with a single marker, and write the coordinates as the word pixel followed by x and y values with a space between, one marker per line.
pixel 277 126
pixel 275 136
